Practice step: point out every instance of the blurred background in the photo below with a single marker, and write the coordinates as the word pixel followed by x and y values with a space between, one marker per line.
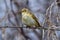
pixel 46 11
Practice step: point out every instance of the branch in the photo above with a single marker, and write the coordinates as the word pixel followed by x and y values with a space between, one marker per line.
pixel 45 28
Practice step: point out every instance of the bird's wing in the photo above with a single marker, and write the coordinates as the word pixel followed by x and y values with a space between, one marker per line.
pixel 37 23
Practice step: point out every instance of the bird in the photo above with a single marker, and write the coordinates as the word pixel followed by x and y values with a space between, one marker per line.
pixel 29 19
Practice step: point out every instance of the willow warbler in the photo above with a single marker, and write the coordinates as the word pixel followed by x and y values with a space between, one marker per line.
pixel 29 19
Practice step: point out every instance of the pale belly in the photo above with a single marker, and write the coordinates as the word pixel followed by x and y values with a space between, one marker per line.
pixel 28 20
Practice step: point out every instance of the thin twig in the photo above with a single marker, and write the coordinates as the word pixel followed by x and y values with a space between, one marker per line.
pixel 45 28
pixel 17 23
pixel 4 18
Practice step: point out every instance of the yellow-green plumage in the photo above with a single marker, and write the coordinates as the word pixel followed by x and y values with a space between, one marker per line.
pixel 29 19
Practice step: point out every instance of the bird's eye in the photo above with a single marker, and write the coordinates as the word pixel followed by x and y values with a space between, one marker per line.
pixel 23 10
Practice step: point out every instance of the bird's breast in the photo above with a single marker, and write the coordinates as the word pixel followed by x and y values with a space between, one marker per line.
pixel 28 19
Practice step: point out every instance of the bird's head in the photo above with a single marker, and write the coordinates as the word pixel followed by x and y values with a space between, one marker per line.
pixel 24 10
